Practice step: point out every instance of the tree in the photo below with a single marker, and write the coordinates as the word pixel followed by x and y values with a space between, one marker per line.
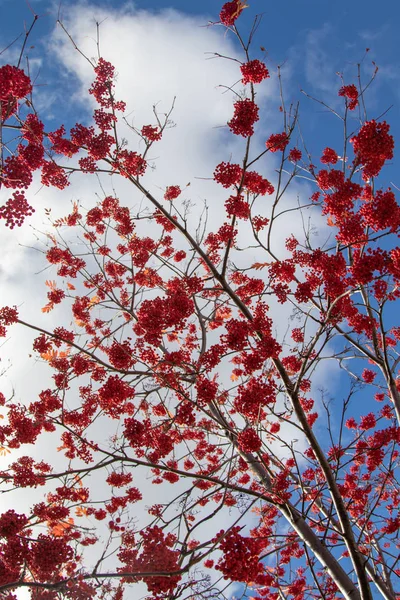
pixel 176 366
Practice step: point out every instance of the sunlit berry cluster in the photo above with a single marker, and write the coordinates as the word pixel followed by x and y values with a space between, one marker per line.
pixel 230 12
pixel 244 117
pixel 254 71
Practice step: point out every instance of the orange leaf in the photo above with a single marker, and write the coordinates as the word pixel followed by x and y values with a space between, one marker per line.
pixel 52 238
pixel 4 451
pixel 234 377
pixel 259 266
pixel 78 481
pixel 80 511
pixel 94 300
pixel 49 355
pixel 70 286
pixel 48 307
pixel 223 313
pixel 91 345
pixel 240 6
pixel 82 495
pixel 59 529
pixel 51 284
pixel 61 221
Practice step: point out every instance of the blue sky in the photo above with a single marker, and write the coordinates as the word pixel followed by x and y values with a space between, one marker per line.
pixel 315 39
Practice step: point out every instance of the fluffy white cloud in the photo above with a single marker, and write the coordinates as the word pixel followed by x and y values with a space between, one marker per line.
pixel 158 57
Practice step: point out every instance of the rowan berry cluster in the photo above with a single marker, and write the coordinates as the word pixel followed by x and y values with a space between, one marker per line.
pixel 113 396
pixel 172 192
pixel 102 87
pixel 244 117
pixel 350 92
pixel 329 156
pixel 254 71
pixel 256 184
pixel 12 523
pixel 249 441
pixel 47 555
pixel 230 12
pixel 277 142
pixel 120 355
pixel 373 146
pixel 156 554
pixel 14 86
pixel 237 206
pixel 295 155
pixel 152 134
pixel 241 557
pixel 228 174
pixel 251 397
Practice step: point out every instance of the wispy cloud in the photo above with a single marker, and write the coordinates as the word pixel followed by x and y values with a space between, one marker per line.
pixel 318 64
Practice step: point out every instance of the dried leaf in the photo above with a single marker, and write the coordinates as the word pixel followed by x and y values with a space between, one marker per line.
pixel 78 480
pixel 80 511
pixel 60 222
pixel 259 266
pixel 59 529
pixel 94 300
pixel 49 355
pixel 52 238
pixel 48 307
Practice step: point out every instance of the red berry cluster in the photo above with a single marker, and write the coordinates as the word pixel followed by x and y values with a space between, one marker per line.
pixel 277 141
pixel 256 184
pixel 8 316
pixel 240 560
pixel 228 174
pixel 295 155
pixel 350 92
pixel 172 192
pixel 244 117
pixel 329 156
pixel 152 134
pixel 14 85
pixel 249 441
pixel 47 556
pixel 230 12
pixel 120 355
pixel 254 71
pixel 157 555
pixel 373 145
pixel 11 523
pixel 113 396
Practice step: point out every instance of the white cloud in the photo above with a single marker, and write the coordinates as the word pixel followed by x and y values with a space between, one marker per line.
pixel 158 56
pixel 318 65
